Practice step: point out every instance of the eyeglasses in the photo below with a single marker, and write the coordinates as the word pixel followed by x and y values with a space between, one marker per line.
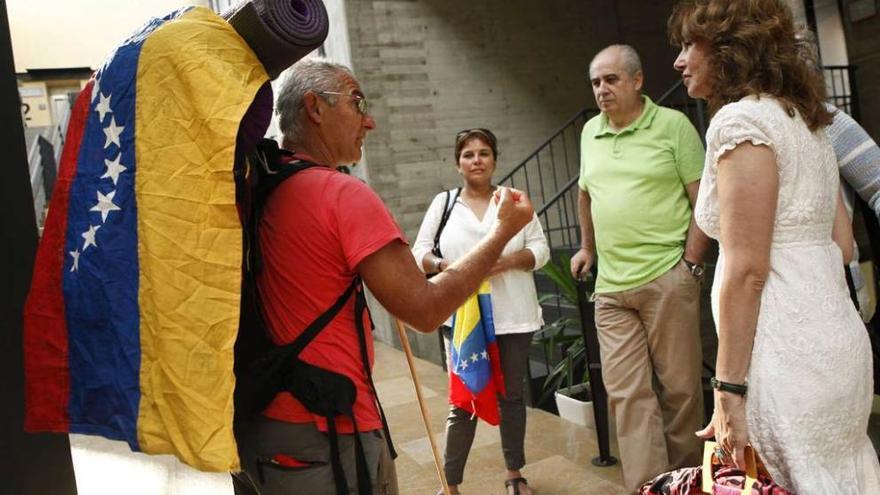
pixel 359 100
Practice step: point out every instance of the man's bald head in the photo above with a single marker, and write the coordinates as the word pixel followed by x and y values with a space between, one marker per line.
pixel 627 55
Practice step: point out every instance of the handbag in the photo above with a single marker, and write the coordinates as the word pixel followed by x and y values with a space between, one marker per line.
pixel 714 478
pixel 725 480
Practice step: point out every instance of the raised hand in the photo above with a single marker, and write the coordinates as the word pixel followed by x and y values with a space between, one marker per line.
pixel 514 210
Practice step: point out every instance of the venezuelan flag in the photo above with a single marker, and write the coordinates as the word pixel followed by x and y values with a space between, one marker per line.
pixel 475 376
pixel 133 310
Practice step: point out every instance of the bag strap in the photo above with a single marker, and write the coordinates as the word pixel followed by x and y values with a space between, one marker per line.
pixel 751 471
pixel 447 212
pixel 318 324
pixel 335 462
pixel 365 486
pixel 262 172
pixel 360 306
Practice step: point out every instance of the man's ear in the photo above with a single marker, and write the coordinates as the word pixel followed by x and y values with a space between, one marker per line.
pixel 312 106
pixel 639 79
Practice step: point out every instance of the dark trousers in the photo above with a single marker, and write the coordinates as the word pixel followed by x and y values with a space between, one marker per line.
pixel 460 427
pixel 260 441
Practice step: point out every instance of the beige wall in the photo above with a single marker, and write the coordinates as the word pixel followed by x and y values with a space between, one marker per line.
pixel 53 34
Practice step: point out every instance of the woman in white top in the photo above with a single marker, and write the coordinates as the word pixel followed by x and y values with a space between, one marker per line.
pixel 794 360
pixel 514 298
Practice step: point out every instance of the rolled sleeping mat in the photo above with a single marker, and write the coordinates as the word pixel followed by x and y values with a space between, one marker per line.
pixel 280 32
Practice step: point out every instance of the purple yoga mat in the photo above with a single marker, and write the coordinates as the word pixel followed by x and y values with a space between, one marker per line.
pixel 280 31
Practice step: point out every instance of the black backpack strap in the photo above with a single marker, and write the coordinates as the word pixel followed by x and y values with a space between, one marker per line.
pixel 318 324
pixel 271 363
pixel 335 462
pixel 447 211
pixel 264 169
pixel 365 485
pixel 265 172
pixel 360 306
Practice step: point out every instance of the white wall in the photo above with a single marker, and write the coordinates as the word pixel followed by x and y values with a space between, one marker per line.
pixel 53 34
pixel 337 46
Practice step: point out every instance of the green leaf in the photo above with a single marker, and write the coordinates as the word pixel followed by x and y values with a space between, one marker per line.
pixel 562 337
pixel 558 271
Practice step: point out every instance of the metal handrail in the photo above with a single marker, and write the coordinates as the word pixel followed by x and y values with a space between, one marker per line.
pixel 562 192
pixel 582 113
pixel 669 91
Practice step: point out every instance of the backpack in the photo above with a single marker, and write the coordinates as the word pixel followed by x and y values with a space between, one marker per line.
pixel 262 369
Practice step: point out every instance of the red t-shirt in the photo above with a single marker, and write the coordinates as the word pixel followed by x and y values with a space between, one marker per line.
pixel 316 228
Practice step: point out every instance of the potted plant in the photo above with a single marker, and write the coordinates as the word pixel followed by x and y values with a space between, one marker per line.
pixel 568 379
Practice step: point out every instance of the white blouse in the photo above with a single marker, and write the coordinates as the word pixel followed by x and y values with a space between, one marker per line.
pixel 514 298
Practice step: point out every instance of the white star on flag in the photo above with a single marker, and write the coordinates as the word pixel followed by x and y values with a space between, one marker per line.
pixel 103 107
pixel 112 132
pixel 475 357
pixel 75 255
pixel 464 365
pixel 485 355
pixel 114 168
pixel 105 205
pixel 89 237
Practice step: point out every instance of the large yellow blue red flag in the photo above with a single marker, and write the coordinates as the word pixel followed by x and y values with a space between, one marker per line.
pixel 475 376
pixel 133 310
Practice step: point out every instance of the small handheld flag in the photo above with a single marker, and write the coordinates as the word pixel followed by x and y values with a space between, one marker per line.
pixel 475 376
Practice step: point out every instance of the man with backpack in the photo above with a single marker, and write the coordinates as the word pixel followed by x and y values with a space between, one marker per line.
pixel 319 233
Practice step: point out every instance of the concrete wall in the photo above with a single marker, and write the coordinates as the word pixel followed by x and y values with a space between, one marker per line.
pixel 433 67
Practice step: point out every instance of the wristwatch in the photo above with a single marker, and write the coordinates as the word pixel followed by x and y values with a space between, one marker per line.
pixel 437 263
pixel 696 269
pixel 734 388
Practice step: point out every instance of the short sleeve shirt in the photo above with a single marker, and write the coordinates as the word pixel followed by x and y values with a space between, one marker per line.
pixel 317 226
pixel 639 205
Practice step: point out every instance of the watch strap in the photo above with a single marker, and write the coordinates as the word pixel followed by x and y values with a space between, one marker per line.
pixel 734 388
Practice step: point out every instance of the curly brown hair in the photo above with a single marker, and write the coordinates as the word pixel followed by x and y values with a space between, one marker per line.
pixel 753 52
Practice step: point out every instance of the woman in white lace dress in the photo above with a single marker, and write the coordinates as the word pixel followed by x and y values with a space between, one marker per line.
pixel 794 361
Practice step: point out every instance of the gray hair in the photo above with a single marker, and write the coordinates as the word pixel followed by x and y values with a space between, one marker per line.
pixel 632 63
pixel 315 74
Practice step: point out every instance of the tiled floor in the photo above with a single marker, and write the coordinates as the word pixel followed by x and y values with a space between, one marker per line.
pixel 558 452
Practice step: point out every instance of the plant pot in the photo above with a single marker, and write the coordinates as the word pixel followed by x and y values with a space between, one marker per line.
pixel 535 389
pixel 576 406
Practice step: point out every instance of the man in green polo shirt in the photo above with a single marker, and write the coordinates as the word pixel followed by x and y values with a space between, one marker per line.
pixel 640 173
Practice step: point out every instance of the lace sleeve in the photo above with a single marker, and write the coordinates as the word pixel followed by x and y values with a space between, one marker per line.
pixel 735 124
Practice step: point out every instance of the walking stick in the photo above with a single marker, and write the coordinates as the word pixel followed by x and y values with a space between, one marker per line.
pixel 404 341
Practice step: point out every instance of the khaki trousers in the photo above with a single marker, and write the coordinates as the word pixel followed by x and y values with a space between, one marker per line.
pixel 649 339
